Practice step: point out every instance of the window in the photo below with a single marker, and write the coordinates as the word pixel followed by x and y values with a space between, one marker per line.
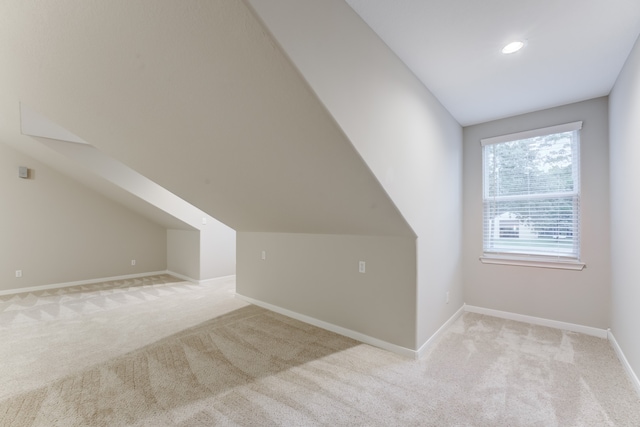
pixel 510 229
pixel 531 197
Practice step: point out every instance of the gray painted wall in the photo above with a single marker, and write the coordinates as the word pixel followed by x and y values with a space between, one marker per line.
pixel 202 254
pixel 201 101
pixel 56 230
pixel 217 250
pixel 242 135
pixel 580 297
pixel 408 140
pixel 183 253
pixel 211 253
pixel 624 116
pixel 317 275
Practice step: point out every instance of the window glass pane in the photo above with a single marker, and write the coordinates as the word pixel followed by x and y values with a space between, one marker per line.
pixel 531 196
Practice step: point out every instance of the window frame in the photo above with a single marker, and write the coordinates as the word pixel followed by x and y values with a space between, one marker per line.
pixel 523 259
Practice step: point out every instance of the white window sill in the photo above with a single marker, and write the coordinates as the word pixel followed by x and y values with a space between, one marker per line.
pixel 533 262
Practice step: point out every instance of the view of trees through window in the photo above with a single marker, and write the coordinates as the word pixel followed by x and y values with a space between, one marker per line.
pixel 531 195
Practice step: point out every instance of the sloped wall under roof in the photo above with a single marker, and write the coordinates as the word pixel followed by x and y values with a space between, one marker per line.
pixel 196 97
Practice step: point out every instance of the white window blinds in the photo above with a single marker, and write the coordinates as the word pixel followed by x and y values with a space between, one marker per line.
pixel 531 193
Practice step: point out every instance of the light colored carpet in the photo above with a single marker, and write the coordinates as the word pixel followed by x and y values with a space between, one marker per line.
pixel 160 352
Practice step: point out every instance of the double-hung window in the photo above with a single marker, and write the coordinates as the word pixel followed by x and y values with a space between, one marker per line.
pixel 531 197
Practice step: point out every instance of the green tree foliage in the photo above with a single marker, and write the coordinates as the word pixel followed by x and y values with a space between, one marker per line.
pixel 533 180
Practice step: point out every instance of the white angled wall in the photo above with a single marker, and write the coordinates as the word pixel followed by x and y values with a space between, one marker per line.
pixel 624 117
pixel 406 137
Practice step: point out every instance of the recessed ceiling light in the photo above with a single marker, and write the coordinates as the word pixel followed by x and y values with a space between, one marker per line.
pixel 513 47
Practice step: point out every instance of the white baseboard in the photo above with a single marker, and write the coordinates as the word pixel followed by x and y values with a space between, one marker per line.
pixel 183 277
pixel 625 363
pixel 600 333
pixel 79 283
pixel 200 282
pixel 587 330
pixel 110 279
pixel 213 280
pixel 423 349
pixel 403 351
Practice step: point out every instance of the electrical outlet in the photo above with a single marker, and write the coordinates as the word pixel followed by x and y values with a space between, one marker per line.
pixel 18 273
pixel 362 266
pixel 447 297
pixel 263 256
pixel 133 262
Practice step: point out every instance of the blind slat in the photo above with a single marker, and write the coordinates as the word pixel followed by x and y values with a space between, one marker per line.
pixel 531 193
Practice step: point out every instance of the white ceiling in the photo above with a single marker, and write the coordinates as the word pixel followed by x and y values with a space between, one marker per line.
pixel 574 49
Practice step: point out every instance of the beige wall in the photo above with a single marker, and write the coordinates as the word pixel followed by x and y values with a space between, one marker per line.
pixel 624 116
pixel 217 250
pixel 202 254
pixel 56 230
pixel 580 297
pixel 200 101
pixel 317 275
pixel 405 136
pixel 183 253
pixel 207 254
pixel 237 132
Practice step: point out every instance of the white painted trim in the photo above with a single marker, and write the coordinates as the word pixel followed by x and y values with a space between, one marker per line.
pixel 625 363
pixel 110 279
pixel 333 328
pixel 212 280
pixel 533 262
pixel 567 127
pixel 587 330
pixel 431 341
pixel 186 278
pixel 80 283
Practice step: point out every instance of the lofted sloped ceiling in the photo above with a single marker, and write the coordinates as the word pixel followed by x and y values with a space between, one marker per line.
pixel 74 157
pixel 53 152
pixel 195 96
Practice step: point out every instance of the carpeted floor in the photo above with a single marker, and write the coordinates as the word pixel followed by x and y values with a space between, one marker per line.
pixel 161 352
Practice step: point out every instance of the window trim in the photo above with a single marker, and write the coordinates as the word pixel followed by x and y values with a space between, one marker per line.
pixel 524 260
pixel 567 127
pixel 533 261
